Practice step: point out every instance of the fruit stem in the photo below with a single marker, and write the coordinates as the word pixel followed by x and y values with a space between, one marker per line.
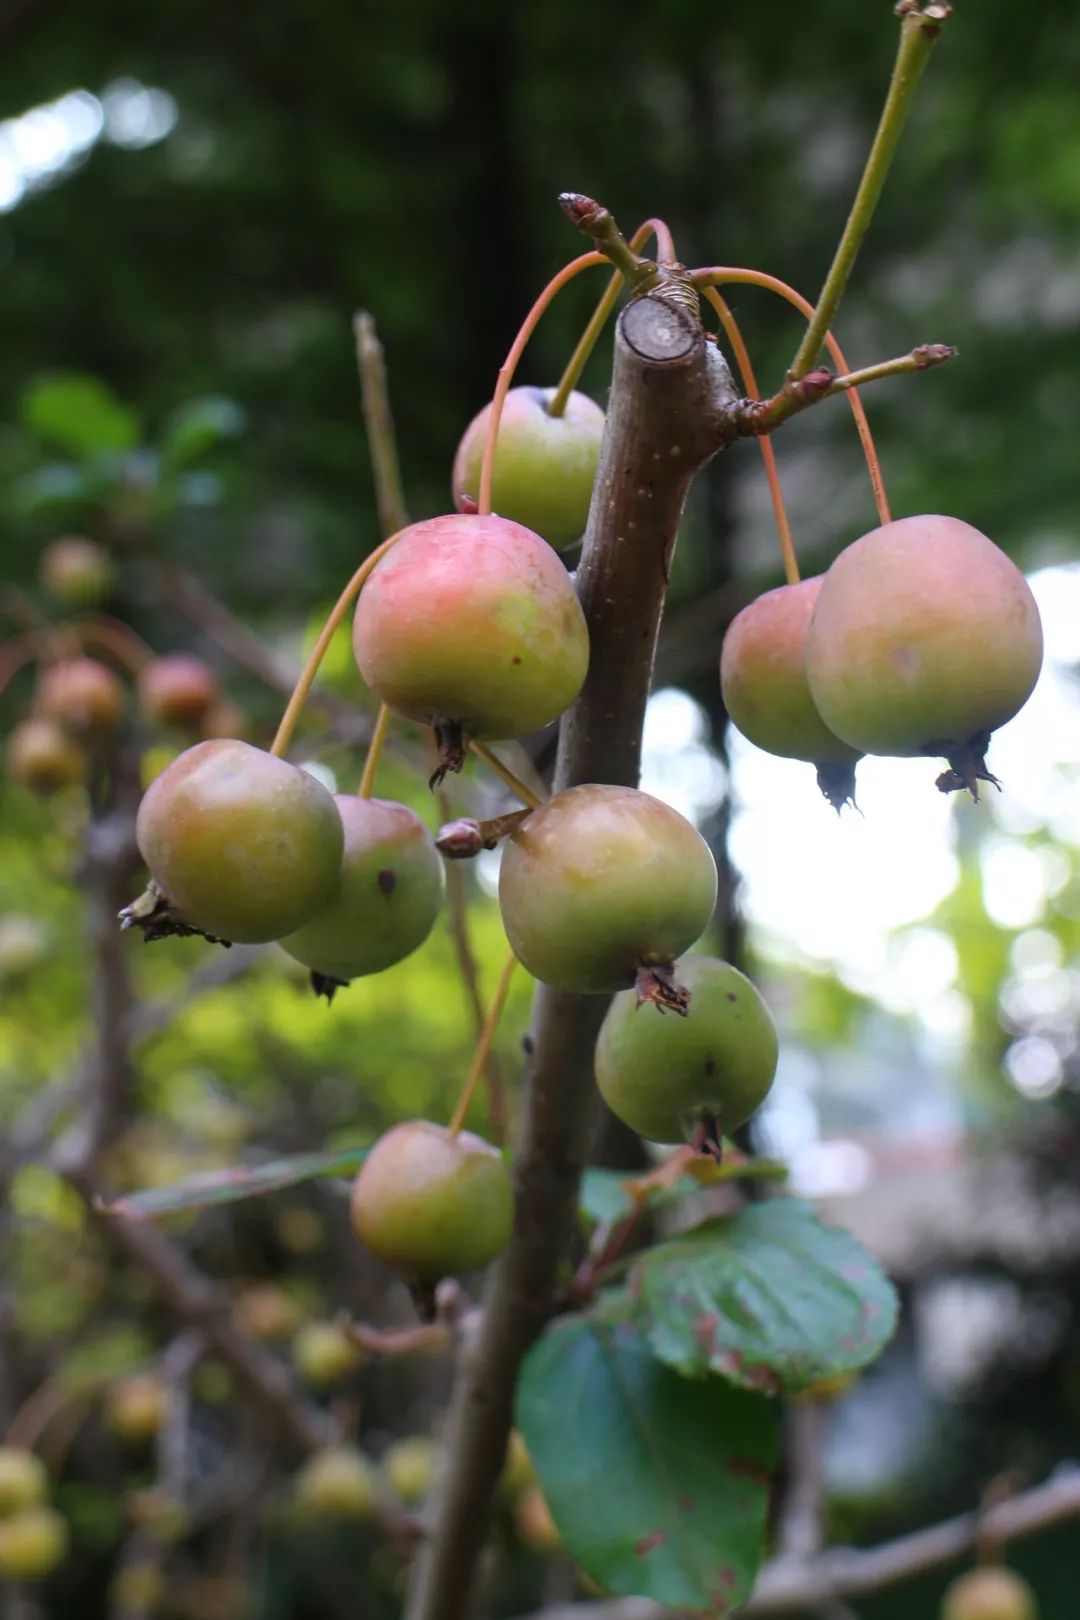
pixel 379 422
pixel 920 26
pixel 518 788
pixel 665 250
pixel 306 679
pixel 768 454
pixel 483 1045
pixel 585 261
pixel 374 753
pixel 722 275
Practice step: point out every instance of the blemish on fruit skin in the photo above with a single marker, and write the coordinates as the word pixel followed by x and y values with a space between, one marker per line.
pixel 649 1544
pixel 386 880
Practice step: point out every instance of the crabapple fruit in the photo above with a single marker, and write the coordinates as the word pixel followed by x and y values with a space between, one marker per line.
pixel 82 695
pixel 544 465
pixel 337 1482
pixel 604 885
pixel 32 1543
pixel 924 639
pixel 670 1078
pixel 431 1203
pixel 136 1408
pixel 243 845
pixel 324 1354
pixel 43 757
pixel 765 691
pixel 77 572
pixel 409 1467
pixel 266 1312
pixel 990 1592
pixel 24 1482
pixel 177 690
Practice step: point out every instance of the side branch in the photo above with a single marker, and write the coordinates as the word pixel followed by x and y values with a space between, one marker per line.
pixel 752 418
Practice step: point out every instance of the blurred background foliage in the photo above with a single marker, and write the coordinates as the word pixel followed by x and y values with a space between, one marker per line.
pixel 193 201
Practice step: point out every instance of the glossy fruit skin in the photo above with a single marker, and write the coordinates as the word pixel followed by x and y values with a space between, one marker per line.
pixel 431 1204
pixel 409 1467
pixel 24 1482
pixel 43 757
pixel 660 1074
pixel 177 690
pixel 544 465
pixel 601 881
pixel 924 636
pixel 388 895
pixel 77 571
pixel 763 677
pixel 245 846
pixel 989 1593
pixel 32 1543
pixel 337 1482
pixel 83 696
pixel 324 1354
pixel 472 621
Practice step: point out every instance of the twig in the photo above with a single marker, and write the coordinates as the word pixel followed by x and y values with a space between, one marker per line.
pixel 758 416
pixel 804 1499
pixel 378 420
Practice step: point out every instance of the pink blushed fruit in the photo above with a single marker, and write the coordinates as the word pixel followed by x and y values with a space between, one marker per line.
pixel 177 690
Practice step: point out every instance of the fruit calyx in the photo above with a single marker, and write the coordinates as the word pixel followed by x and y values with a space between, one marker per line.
pixel 322 984
pixel 154 914
pixel 452 746
pixel 706 1137
pixel 655 983
pixel 967 765
pixel 837 783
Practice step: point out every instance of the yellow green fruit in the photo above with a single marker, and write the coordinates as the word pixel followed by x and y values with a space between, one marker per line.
pixel 324 1354
pixel 32 1544
pixel 337 1482
pixel 990 1592
pixel 24 1481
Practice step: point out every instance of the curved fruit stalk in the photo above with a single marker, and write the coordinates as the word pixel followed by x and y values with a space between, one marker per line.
pixel 544 465
pixel 177 690
pixel 32 1543
pixel 324 1354
pixel 386 901
pixel 337 1482
pixel 432 1203
pixel 77 572
pixel 990 1592
pixel 240 845
pixel 470 624
pixel 765 690
pixel 43 757
pixel 603 887
pixel 924 639
pixel 83 696
pixel 692 1079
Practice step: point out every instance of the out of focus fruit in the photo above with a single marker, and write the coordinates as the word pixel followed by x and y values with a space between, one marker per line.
pixel 177 690
pixel 83 696
pixel 337 1482
pixel 77 572
pixel 24 1482
pixel 135 1409
pixel 32 1543
pixel 324 1354
pixel 408 1468
pixel 991 1592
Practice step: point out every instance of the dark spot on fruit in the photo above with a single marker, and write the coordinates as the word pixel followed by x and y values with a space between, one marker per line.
pixel 527 1045
pixel 515 660
pixel 710 1067
pixel 648 1544
pixel 386 880
pixel 731 996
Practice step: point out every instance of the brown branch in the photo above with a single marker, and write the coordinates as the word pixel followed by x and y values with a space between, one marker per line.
pixel 666 417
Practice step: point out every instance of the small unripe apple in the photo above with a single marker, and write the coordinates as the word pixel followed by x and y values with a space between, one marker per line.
pixel 924 639
pixel 388 894
pixel 324 1354
pixel 266 1312
pixel 337 1482
pixel 432 1204
pixel 665 1077
pixel 83 696
pixel 32 1543
pixel 544 465
pixel 765 689
pixel 24 1482
pixel 42 757
pixel 177 690
pixel 244 845
pixel 409 1468
pixel 77 572
pixel 990 1592
pixel 136 1408
pixel 602 882
pixel 533 1521
pixel 471 625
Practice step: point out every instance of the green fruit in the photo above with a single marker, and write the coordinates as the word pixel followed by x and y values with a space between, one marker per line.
pixel 43 758
pixel 989 1593
pixel 409 1468
pixel 924 639
pixel 32 1543
pixel 266 1312
pixel 24 1482
pixel 177 690
pixel 432 1204
pixel 601 882
pixel 471 624
pixel 765 690
pixel 337 1482
pixel 324 1354
pixel 83 696
pixel 544 465
pixel 662 1076
pixel 77 572
pixel 245 846
pixel 136 1408
pixel 533 1521
pixel 388 894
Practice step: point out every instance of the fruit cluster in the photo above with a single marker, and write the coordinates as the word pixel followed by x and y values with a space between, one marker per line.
pixel 33 1536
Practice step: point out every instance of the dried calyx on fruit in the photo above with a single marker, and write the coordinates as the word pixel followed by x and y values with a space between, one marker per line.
pixel 765 690
pixel 924 639
pixel 240 845
pixel 471 625
pixel 544 464
pixel 602 888
pixel 386 901
pixel 692 1079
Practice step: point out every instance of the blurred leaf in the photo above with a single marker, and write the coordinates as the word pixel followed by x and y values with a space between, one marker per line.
pixel 238 1181
pixel 686 1467
pixel 80 413
pixel 605 1195
pixel 58 483
pixel 772 1298
pixel 198 427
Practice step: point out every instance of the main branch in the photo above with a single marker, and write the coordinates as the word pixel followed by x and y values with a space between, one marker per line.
pixel 670 405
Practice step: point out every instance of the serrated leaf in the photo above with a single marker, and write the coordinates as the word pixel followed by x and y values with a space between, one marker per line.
pixel 772 1299
pixel 659 1486
pixel 80 413
pixel 198 427
pixel 238 1181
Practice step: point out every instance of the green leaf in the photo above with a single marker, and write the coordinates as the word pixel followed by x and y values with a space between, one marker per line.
pixel 604 1196
pixel 659 1486
pixel 772 1299
pixel 199 427
pixel 238 1181
pixel 79 413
